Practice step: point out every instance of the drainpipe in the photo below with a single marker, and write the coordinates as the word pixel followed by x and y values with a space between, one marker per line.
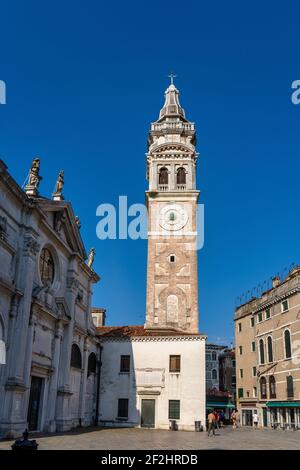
pixel 98 387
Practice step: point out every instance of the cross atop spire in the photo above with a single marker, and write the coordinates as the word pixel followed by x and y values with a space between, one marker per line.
pixel 172 76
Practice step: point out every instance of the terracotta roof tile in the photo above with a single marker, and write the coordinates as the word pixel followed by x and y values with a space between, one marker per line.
pixel 138 330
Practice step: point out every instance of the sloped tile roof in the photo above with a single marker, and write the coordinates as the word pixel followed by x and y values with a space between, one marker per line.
pixel 138 330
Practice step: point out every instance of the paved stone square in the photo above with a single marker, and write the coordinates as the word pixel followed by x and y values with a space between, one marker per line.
pixel 146 439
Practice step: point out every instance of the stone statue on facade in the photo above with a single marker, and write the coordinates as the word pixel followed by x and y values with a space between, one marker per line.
pixel 34 178
pixel 77 222
pixel 91 257
pixel 59 220
pixel 57 195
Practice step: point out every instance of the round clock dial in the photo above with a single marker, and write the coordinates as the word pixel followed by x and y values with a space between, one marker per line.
pixel 173 217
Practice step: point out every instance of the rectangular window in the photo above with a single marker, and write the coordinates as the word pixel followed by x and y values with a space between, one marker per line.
pixel 240 392
pixel 252 321
pixel 240 327
pixel 123 408
pixel 253 346
pixel 260 317
pixel 174 409
pixel 254 392
pixel 268 313
pixel 125 364
pixel 241 373
pixel 241 350
pixel 254 371
pixel 174 364
pixel 284 306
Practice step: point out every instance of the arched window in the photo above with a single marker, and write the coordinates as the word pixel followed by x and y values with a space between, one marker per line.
pixel 163 176
pixel 290 386
pixel 92 364
pixel 75 357
pixel 214 374
pixel 261 351
pixel 181 176
pixel 214 356
pixel 272 386
pixel 287 344
pixel 270 349
pixel 263 388
pixel 46 267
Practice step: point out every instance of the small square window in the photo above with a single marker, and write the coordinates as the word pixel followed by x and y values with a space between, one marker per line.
pixel 125 364
pixel 123 408
pixel 174 409
pixel 284 306
pixel 240 392
pixel 174 364
pixel 268 313
pixel 172 258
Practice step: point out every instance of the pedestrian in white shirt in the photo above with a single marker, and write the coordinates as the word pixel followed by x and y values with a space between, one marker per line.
pixel 255 419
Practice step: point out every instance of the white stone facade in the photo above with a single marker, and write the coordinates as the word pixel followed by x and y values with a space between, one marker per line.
pixel 149 378
pixel 40 320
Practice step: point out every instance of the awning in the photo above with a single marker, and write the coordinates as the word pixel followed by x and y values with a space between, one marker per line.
pixel 283 404
pixel 215 404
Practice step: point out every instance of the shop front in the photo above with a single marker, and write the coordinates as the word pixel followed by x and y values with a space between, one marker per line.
pixel 284 415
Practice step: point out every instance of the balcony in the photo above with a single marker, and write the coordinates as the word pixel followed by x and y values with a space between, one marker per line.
pixel 181 187
pixel 186 126
pixel 163 187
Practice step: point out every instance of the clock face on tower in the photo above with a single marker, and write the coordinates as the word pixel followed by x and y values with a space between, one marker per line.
pixel 173 217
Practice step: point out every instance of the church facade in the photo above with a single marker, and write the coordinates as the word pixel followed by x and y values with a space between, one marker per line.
pixel 50 351
pixel 155 374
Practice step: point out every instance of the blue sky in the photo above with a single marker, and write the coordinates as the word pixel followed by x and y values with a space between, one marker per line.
pixel 84 81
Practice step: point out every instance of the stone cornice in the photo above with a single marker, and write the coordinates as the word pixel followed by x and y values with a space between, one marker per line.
pixel 274 296
pixel 143 339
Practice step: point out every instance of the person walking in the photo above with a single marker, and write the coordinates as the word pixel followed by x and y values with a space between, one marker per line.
pixel 211 423
pixel 216 420
pixel 221 418
pixel 233 420
pixel 255 419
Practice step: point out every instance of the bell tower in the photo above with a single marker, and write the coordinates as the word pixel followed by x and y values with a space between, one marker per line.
pixel 172 280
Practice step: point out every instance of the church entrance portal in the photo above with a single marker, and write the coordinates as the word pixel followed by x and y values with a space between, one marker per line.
pixel 34 403
pixel 148 414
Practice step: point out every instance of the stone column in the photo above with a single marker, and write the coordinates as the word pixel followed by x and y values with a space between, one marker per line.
pixel 14 418
pixel 82 396
pixel 63 420
pixel 53 386
pixel 28 357
pixel 172 177
pixel 29 346
pixel 27 270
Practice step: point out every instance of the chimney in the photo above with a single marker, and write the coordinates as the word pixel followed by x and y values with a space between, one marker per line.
pixel 98 315
pixel 275 281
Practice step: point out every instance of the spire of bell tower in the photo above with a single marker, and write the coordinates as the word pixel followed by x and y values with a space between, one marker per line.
pixel 171 107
